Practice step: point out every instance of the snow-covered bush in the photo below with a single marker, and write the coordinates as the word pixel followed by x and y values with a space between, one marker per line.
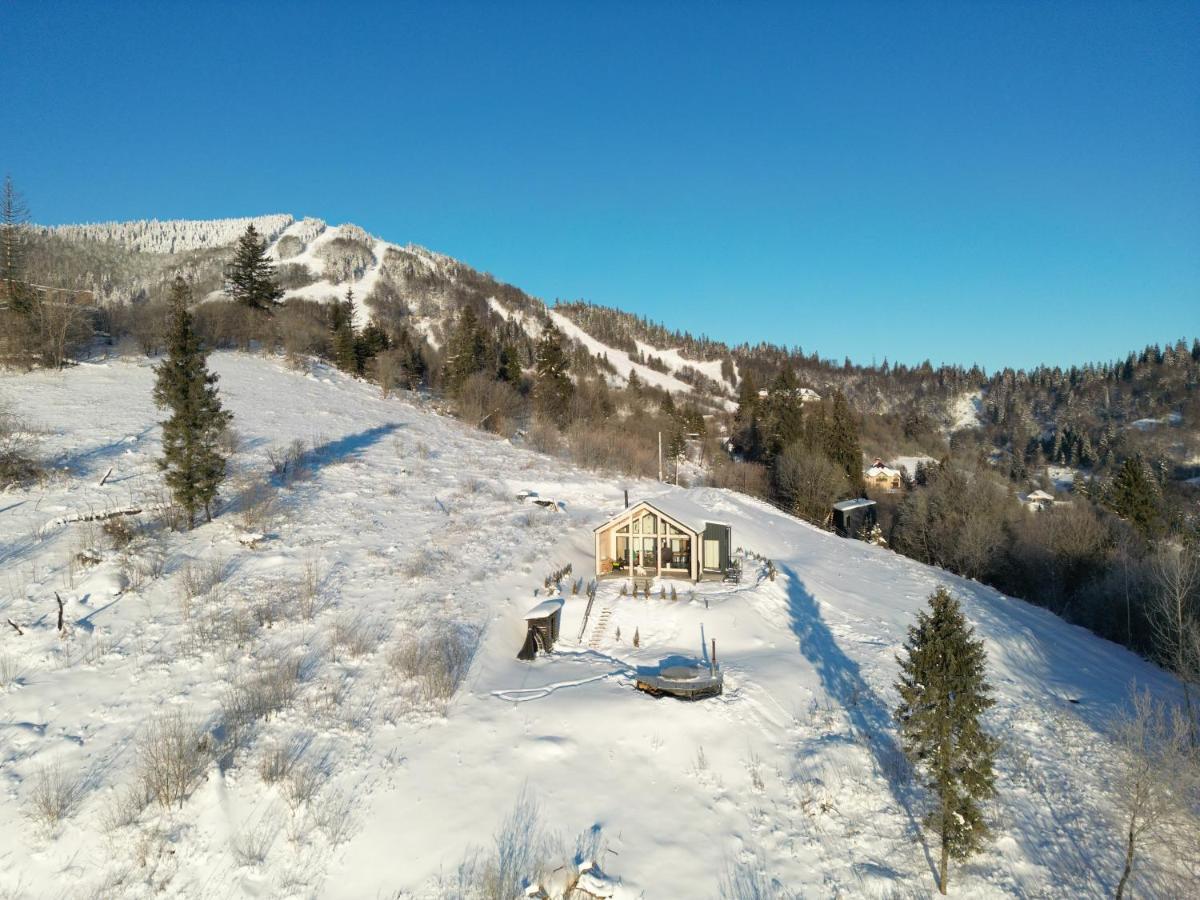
pixel 53 796
pixel 10 670
pixel 199 577
pixel 172 755
pixel 258 696
pixel 308 588
pixel 255 502
pixel 522 854
pixel 302 783
pixel 354 637
pixel 278 761
pixel 750 880
pixel 436 662
pixel 17 463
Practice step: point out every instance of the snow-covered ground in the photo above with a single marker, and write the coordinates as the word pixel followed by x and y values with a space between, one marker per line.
pixel 414 526
pixel 966 411
pixel 908 464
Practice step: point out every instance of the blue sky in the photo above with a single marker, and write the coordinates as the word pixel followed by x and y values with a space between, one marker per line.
pixel 1000 182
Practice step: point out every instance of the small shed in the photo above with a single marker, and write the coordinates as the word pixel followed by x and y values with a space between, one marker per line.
pixel 541 628
pixel 851 517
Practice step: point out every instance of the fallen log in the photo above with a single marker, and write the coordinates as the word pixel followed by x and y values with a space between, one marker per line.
pixel 101 515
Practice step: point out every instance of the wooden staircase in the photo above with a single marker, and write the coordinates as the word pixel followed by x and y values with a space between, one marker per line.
pixel 600 628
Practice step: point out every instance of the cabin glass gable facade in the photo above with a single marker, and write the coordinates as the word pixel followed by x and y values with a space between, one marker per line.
pixel 645 539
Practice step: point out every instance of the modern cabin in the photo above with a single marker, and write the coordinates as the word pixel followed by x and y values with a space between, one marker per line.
pixel 667 536
pixel 851 517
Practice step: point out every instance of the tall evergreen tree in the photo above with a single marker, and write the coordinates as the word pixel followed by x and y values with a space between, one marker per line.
pixel 14 220
pixel 943 692
pixel 467 352
pixel 1133 495
pixel 509 366
pixel 250 278
pixel 841 441
pixel 784 423
pixel 345 348
pixel 192 457
pixel 552 387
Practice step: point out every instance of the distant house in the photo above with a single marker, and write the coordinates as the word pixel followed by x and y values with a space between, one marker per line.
pixel 805 395
pixel 883 477
pixel 672 536
pixel 851 517
pixel 1038 500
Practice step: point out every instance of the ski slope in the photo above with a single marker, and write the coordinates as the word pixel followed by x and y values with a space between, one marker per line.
pixel 791 777
pixel 312 236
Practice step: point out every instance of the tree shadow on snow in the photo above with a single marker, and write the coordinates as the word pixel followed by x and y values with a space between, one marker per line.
pixel 339 450
pixel 349 445
pixel 843 682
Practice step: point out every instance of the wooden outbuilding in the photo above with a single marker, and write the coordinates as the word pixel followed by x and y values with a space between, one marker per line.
pixel 670 536
pixel 852 517
pixel 541 628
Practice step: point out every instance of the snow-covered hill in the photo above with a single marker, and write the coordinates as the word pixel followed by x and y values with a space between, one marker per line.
pixel 326 261
pixel 412 523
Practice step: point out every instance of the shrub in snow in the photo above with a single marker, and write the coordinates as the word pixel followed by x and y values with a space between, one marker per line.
pixel 53 796
pixel 302 784
pixel 266 691
pixel 17 464
pixel 119 531
pixel 10 670
pixel 436 661
pixel 199 577
pixel 750 880
pixel 354 637
pixel 521 855
pixel 251 845
pixel 308 588
pixel 172 755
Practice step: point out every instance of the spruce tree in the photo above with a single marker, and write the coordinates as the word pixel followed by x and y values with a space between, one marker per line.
pixel 509 367
pixel 943 692
pixel 552 388
pixel 250 279
pixel 1133 495
pixel 467 351
pixel 14 221
pixel 192 457
pixel 345 348
pixel 841 441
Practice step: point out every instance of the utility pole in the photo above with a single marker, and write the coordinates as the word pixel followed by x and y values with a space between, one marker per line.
pixel 660 478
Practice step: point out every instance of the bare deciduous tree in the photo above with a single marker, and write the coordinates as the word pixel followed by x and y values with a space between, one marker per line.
pixel 1176 619
pixel 1156 793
